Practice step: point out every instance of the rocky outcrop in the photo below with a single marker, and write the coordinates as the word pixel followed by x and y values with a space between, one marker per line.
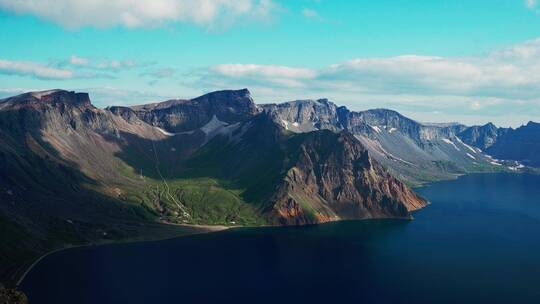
pixel 305 115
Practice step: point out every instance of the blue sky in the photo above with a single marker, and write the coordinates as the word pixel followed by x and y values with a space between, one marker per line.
pixel 470 61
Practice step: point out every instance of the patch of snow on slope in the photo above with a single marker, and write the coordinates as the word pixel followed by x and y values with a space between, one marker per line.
pixel 376 129
pixel 392 130
pixel 495 163
pixel 295 124
pixel 467 146
pixel 517 167
pixel 469 155
pixel 393 157
pixel 213 125
pixel 285 124
pixel 164 132
pixel 448 141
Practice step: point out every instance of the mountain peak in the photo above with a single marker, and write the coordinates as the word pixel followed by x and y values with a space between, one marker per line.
pixel 38 99
pixel 490 125
pixel 227 94
pixel 532 124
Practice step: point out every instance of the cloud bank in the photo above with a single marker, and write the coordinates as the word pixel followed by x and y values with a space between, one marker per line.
pixel 478 85
pixel 74 67
pixel 138 13
pixel 34 69
pixel 513 72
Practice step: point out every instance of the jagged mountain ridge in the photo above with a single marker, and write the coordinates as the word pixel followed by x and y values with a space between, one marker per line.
pixel 178 115
pixel 413 151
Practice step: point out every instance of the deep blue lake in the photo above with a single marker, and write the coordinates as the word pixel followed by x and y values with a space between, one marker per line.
pixel 478 242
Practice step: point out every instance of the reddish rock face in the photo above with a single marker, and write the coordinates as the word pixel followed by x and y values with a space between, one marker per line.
pixel 334 178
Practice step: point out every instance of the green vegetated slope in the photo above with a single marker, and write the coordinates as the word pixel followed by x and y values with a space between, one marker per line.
pixel 218 184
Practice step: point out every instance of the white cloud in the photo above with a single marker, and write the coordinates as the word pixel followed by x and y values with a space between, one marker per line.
pixel 272 75
pixel 73 68
pixel 266 71
pixel 139 13
pixel 99 64
pixel 75 60
pixel 37 70
pixel 530 3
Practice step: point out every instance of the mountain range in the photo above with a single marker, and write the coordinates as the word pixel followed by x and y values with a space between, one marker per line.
pixel 71 173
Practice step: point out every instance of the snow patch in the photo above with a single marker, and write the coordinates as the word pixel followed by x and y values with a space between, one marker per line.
pixel 392 130
pixel 495 163
pixel 164 132
pixel 376 129
pixel 516 167
pixel 448 141
pixel 467 146
pixel 470 155
pixel 295 124
pixel 285 124
pixel 213 125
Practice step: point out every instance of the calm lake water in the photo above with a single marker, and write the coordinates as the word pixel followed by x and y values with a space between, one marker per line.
pixel 478 242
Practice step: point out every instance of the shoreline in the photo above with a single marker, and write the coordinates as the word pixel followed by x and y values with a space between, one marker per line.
pixel 204 229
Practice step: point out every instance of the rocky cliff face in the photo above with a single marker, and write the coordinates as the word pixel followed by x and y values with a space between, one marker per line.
pixel 305 115
pixel 482 137
pixel 333 177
